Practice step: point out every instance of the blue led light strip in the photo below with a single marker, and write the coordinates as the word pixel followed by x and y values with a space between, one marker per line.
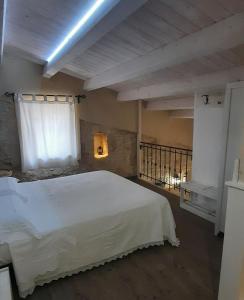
pixel 76 28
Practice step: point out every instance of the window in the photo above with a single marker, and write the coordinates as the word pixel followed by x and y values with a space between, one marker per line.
pixel 47 133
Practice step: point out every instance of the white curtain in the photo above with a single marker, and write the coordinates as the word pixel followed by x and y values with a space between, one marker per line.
pixel 47 134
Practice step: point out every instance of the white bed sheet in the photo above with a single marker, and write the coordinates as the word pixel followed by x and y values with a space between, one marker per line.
pixel 5 257
pixel 86 220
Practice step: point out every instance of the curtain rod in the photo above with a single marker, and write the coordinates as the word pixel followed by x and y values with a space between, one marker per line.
pixel 7 94
pixel 79 97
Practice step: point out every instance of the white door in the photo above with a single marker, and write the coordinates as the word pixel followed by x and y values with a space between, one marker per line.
pixel 234 140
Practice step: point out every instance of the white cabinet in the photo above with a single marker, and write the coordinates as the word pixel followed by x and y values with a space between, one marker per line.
pixel 202 200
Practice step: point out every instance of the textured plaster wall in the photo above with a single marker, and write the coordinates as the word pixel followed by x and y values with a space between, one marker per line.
pixel 167 130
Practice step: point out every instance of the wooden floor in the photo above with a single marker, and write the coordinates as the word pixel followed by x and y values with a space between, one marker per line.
pixel 189 272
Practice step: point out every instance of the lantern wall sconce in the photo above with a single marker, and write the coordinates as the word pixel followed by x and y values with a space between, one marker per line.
pixel 100 142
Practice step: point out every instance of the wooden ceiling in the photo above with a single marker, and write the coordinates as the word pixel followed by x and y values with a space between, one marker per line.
pixel 36 27
pixel 157 23
pixel 219 61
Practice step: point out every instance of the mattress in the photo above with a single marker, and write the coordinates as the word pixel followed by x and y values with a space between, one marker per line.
pixel 84 221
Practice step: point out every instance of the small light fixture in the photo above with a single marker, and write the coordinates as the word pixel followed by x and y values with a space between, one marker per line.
pixel 100 141
pixel 205 99
pixel 76 28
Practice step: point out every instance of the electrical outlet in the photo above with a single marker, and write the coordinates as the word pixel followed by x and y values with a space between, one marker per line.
pixel 217 100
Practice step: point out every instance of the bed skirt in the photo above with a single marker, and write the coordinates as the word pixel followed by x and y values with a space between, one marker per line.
pixel 41 282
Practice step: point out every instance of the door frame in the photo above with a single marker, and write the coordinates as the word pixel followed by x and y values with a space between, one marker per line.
pixel 221 185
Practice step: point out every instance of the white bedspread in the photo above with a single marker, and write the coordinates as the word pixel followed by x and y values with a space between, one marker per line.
pixel 86 220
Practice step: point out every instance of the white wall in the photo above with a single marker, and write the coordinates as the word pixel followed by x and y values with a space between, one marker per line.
pixel 208 138
pixel 102 107
pixel 166 130
pixel 21 76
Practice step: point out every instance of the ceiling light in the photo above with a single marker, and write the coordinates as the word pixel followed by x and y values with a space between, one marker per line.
pixel 76 28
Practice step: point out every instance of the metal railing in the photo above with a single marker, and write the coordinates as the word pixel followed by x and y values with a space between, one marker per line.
pixel 165 165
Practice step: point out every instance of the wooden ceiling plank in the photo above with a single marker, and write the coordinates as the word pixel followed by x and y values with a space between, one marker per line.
pixel 166 75
pixel 110 51
pixel 37 27
pixel 195 67
pixel 220 36
pixel 218 61
pixel 123 44
pixel 99 56
pixel 148 30
pixel 234 6
pixel 182 114
pixel 75 72
pixel 231 57
pixel 171 16
pixel 134 37
pixel 213 9
pixel 169 30
pixel 203 83
pixel 117 46
pixel 90 65
pixel 112 14
pixel 170 104
pixel 192 13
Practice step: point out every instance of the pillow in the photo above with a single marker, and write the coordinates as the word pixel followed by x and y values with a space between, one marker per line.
pixel 15 217
pixel 23 210
pixel 41 211
pixel 8 183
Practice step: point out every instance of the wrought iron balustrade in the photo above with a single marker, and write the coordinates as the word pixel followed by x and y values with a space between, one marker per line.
pixel 165 165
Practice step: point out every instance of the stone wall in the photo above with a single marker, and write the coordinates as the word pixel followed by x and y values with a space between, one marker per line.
pixel 9 140
pixel 122 147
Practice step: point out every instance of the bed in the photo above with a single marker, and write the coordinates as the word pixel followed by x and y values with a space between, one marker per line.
pixel 71 224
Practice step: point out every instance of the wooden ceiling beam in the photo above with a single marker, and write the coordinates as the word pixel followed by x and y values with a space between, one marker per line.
pixel 3 4
pixel 170 104
pixel 73 71
pixel 182 114
pixel 203 83
pixel 112 13
pixel 223 35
